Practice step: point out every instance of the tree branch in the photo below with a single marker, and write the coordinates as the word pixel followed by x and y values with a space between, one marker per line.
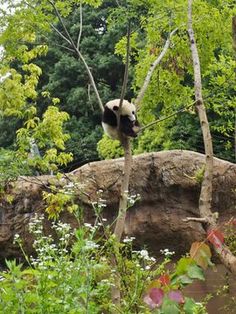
pixel 79 54
pixel 167 117
pixel 196 219
pixel 60 34
pixel 152 68
pixel 80 24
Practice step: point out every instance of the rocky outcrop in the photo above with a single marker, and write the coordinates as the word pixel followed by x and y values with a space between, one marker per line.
pixel 167 183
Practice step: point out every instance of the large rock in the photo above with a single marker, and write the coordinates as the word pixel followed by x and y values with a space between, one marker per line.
pixel 168 188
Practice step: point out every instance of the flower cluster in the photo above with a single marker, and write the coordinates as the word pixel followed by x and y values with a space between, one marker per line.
pixel 128 240
pixel 167 253
pixel 132 199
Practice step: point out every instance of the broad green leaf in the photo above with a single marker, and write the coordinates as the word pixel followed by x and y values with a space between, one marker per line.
pixel 189 306
pixel 183 265
pixel 169 307
pixel 195 272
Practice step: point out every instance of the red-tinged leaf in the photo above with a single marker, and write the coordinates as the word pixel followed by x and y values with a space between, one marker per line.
pixel 154 298
pixel 177 296
pixel 164 280
pixel 149 302
pixel 216 237
pixel 157 295
pixel 201 253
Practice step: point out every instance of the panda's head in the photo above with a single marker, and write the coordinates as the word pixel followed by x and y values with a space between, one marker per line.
pixel 128 109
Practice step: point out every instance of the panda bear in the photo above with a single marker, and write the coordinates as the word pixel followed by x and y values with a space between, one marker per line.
pixel 129 125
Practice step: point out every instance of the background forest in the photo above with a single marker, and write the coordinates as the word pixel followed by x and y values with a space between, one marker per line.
pixel 44 87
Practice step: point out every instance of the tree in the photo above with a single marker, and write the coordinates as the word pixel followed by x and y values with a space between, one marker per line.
pixel 169 89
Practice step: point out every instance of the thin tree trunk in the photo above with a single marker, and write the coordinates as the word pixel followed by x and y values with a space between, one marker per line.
pixel 120 223
pixel 234 46
pixel 124 191
pixel 206 188
pixel 226 257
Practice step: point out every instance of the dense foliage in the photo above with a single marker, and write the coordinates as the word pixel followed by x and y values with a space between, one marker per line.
pixel 79 279
pixel 36 61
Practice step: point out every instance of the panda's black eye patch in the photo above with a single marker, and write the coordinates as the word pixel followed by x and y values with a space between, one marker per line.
pixel 115 108
pixel 133 112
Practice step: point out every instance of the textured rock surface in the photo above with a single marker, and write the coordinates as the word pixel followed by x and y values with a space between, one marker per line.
pixel 167 186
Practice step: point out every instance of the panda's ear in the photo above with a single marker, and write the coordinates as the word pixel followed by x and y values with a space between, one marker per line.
pixel 115 108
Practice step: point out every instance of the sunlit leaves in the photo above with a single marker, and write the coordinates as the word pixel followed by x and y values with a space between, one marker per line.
pixel 172 82
pixel 94 3
pixel 57 202
pixel 50 138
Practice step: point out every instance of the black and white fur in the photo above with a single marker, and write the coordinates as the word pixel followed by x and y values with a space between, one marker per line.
pixel 129 125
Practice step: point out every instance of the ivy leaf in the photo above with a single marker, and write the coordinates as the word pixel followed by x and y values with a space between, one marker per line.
pixel 201 254
pixel 177 296
pixel 195 272
pixel 154 298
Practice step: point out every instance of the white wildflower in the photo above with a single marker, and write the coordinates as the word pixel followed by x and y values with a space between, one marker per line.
pixel 128 240
pixel 91 245
pixel 144 254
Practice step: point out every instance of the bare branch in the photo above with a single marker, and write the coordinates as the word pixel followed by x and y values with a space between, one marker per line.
pixel 80 24
pixel 64 47
pixel 79 54
pixel 234 31
pixel 167 117
pixel 152 68
pixel 196 219
pixel 60 34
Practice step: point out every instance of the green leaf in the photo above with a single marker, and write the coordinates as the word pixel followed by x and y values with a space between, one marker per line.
pixel 185 280
pixel 183 265
pixel 189 306
pixel 169 307
pixel 195 272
